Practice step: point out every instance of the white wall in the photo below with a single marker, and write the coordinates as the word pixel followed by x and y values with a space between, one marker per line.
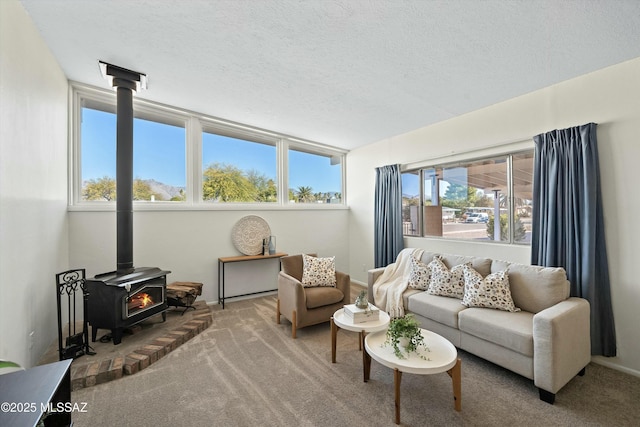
pixel 611 98
pixel 33 189
pixel 38 238
pixel 189 243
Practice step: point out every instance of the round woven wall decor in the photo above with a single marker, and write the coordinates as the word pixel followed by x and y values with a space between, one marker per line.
pixel 248 234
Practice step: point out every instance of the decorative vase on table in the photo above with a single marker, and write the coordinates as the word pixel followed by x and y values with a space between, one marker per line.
pixel 362 301
pixel 403 342
pixel 272 245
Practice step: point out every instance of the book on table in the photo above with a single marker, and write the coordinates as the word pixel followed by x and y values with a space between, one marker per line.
pixel 360 315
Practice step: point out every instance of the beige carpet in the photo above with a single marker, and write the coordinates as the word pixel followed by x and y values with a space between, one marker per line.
pixel 245 370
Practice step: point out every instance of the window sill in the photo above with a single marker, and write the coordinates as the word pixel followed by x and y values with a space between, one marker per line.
pixel 183 206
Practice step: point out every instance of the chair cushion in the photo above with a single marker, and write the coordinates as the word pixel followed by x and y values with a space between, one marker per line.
pixel 292 265
pixel 320 296
pixel 318 271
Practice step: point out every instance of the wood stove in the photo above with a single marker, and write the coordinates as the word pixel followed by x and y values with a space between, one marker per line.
pixel 129 295
pixel 118 301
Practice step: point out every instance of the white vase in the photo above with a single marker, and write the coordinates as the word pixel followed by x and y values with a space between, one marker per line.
pixel 403 342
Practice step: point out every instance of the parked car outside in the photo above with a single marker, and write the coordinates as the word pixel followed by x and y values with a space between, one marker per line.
pixel 477 217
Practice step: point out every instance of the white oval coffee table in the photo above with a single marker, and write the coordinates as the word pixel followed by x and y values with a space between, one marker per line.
pixel 341 321
pixel 440 357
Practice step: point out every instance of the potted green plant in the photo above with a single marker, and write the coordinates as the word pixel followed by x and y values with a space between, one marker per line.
pixel 404 333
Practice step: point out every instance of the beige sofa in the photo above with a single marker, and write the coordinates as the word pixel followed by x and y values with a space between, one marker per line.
pixel 548 341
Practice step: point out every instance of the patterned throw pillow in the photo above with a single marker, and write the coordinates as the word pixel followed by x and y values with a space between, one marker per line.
pixel 318 271
pixel 491 292
pixel 419 275
pixel 445 282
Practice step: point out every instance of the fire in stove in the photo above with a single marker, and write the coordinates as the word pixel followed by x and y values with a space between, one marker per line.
pixel 143 299
pixel 139 301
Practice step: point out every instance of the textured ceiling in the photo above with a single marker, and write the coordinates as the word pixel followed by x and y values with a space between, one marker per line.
pixel 341 72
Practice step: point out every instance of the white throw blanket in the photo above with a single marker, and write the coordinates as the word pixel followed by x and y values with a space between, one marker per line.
pixel 394 280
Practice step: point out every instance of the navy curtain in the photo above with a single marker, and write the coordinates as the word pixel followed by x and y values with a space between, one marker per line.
pixel 568 224
pixel 388 241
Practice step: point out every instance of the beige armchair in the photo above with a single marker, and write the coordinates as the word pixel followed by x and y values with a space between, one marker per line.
pixel 308 306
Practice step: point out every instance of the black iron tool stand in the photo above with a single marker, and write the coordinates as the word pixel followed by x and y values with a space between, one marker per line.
pixel 76 344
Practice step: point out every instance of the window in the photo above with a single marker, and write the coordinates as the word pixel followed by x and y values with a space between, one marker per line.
pixel 158 156
pixel 314 177
pixel 522 183
pixel 98 151
pixel 182 160
pixel 411 203
pixel 238 170
pixel 159 161
pixel 488 199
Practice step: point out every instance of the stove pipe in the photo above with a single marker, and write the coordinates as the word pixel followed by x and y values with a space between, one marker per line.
pixel 126 82
pixel 124 176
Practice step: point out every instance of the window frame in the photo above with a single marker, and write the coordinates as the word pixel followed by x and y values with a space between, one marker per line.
pixel 459 160
pixel 195 124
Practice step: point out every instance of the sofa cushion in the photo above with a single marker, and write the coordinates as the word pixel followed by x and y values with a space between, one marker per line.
pixel 320 296
pixel 488 292
pixel 419 274
pixel 408 294
pixel 440 309
pixel 535 288
pixel 427 257
pixel 318 271
pixel 445 282
pixel 511 330
pixel 479 264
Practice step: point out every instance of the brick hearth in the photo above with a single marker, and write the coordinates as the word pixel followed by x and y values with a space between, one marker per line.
pixel 149 351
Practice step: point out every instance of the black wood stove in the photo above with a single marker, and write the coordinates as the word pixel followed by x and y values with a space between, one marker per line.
pixel 122 298
pixel 118 301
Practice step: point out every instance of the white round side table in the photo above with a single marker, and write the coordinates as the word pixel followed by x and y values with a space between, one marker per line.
pixel 341 321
